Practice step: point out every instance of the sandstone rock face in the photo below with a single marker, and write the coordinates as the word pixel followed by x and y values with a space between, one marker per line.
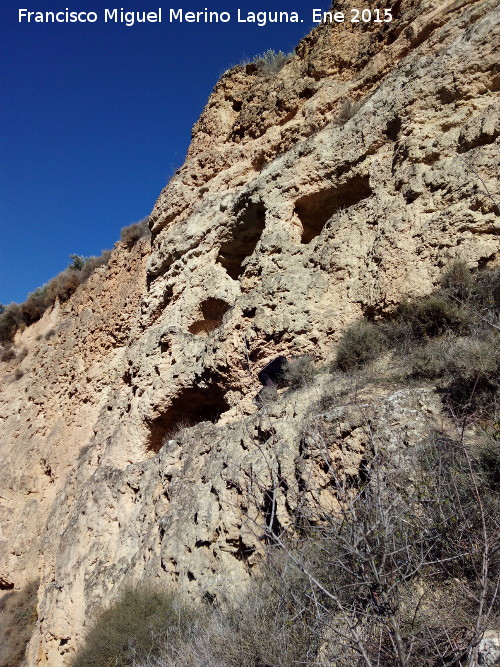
pixel 310 196
pixel 68 371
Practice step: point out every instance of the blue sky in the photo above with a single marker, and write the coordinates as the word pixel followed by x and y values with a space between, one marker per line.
pixel 95 118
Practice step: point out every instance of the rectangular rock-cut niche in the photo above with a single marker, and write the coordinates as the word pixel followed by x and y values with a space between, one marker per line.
pixel 212 311
pixel 314 210
pixel 242 237
pixel 190 407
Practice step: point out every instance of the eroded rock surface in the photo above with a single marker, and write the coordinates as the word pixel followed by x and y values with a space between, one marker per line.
pixel 309 196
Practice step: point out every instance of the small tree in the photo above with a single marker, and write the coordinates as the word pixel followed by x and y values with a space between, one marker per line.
pixel 77 262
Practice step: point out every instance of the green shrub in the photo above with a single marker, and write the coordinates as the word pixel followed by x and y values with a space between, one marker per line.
pixel 467 358
pixel 470 372
pixel 431 360
pixel 142 622
pixel 433 315
pixel 485 292
pixel 299 372
pixel 450 336
pixel 462 305
pixel 9 322
pixel 266 396
pixel 475 399
pixel 361 343
pixel 400 556
pixel 457 281
pixel 131 234
pixel 488 457
pixel 480 290
pixel 77 262
pixel 273 624
pixel 452 477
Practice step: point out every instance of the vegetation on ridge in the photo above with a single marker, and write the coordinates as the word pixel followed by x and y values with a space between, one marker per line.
pixel 134 232
pixel 15 316
pixel 268 63
pixel 20 315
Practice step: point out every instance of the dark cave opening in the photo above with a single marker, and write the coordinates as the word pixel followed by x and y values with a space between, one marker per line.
pixel 6 585
pixel 243 238
pixel 191 406
pixel 212 311
pixel 316 209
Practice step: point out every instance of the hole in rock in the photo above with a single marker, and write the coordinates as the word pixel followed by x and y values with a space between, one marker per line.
pixel 192 406
pixel 307 93
pixel 242 551
pixel 212 310
pixel 393 128
pixel 6 585
pixel 288 117
pixel 447 95
pixel 391 38
pixel 316 209
pixel 242 238
pixel 249 312
pixel 202 543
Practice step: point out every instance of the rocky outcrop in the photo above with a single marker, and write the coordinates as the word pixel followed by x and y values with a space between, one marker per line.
pixel 310 196
pixel 64 379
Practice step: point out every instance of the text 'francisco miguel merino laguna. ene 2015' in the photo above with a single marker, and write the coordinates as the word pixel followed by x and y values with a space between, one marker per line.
pixel 161 15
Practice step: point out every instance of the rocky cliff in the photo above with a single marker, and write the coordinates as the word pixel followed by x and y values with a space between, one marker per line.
pixel 311 195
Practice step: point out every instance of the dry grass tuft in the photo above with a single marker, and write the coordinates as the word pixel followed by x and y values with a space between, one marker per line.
pixel 134 232
pixel 299 372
